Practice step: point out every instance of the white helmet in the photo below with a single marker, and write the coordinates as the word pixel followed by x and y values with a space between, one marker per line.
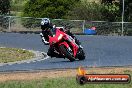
pixel 45 21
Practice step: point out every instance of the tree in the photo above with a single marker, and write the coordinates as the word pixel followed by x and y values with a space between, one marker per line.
pixel 4 10
pixel 111 12
pixel 48 8
pixel 86 11
pixel 127 9
pixel 95 11
pixel 4 7
pixel 107 1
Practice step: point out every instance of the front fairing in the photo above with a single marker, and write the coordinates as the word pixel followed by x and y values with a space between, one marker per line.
pixel 57 37
pixel 55 40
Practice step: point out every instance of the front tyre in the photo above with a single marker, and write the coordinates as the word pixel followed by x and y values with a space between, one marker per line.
pixel 81 54
pixel 67 53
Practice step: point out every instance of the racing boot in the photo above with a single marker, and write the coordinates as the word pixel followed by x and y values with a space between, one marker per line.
pixel 78 43
pixel 80 47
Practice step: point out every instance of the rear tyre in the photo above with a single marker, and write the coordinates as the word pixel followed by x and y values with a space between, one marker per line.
pixel 67 53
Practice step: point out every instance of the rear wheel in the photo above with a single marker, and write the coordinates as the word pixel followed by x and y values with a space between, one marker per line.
pixel 67 53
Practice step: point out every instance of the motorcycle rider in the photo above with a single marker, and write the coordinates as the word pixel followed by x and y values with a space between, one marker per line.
pixel 47 28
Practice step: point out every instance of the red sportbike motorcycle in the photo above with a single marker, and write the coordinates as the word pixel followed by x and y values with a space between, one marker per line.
pixel 65 45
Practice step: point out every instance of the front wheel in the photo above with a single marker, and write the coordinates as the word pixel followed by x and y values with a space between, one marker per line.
pixel 81 54
pixel 67 53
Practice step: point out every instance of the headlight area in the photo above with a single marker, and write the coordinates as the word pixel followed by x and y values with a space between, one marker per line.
pixel 60 37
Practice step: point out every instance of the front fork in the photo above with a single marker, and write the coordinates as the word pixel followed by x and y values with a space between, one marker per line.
pixel 75 47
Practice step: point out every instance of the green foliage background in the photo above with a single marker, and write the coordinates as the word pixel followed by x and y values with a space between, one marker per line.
pixel 4 7
pixel 69 9
pixel 72 9
pixel 48 8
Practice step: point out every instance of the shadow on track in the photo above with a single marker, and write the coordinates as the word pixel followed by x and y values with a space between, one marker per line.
pixel 66 61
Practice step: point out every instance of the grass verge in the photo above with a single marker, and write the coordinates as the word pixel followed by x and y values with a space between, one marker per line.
pixel 63 81
pixel 14 54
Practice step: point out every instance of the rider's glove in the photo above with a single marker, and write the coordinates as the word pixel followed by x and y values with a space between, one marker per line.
pixel 41 34
pixel 43 39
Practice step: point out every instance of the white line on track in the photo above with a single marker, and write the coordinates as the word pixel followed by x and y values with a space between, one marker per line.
pixel 39 56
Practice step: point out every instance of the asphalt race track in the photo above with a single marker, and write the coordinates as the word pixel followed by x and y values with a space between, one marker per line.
pixel 100 51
